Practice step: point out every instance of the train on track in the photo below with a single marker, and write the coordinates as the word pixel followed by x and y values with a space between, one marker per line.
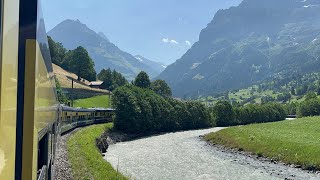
pixel 31 118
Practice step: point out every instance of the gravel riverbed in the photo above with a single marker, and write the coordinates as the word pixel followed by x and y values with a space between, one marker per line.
pixel 184 155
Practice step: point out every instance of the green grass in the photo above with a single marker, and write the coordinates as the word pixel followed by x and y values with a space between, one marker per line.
pixel 85 158
pixel 292 142
pixel 96 101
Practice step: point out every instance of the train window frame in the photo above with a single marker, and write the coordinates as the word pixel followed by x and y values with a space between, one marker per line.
pixel 1 47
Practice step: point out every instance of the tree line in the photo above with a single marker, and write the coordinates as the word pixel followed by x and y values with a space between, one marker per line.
pixel 147 107
pixel 227 115
pixel 141 110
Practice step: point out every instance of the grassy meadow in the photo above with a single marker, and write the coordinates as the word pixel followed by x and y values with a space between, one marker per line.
pixel 85 158
pixel 96 101
pixel 292 142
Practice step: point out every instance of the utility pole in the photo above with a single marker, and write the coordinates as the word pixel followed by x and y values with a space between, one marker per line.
pixel 109 99
pixel 72 92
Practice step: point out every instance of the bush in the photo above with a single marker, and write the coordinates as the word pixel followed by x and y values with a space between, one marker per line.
pixel 310 107
pixel 223 114
pixel 291 108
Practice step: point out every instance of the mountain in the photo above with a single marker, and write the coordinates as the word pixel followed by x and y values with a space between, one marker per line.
pixel 104 53
pixel 242 45
pixel 156 67
pixel 101 34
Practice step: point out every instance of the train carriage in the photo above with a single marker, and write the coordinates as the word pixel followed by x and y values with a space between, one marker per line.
pixel 76 117
pixel 29 107
pixel 103 115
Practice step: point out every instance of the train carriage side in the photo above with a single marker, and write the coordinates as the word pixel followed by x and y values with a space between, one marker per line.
pixel 85 117
pixel 9 30
pixel 103 115
pixel 37 105
pixel 75 117
pixel 31 118
pixel 68 116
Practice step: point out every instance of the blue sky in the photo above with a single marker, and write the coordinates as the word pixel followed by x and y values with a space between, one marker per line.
pixel 160 30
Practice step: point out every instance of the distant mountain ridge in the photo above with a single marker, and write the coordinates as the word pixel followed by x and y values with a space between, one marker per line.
pixel 104 53
pixel 249 43
pixel 157 67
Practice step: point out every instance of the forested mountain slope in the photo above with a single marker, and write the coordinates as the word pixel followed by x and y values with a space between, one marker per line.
pixel 249 43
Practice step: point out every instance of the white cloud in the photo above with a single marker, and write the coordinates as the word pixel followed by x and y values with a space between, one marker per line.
pixel 174 41
pixel 188 43
pixel 165 40
pixel 170 41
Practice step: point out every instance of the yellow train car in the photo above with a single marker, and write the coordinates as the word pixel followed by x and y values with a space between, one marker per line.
pixel 31 118
pixel 103 115
pixel 76 117
pixel 29 107
pixel 8 86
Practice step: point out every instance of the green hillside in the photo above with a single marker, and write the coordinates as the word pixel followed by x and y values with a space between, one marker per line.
pixel 279 89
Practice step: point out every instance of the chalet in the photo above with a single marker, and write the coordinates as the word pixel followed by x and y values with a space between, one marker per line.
pixel 96 84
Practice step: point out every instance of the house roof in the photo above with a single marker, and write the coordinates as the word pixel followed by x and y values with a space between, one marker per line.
pixel 96 83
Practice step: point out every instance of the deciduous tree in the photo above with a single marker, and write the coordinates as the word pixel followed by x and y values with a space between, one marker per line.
pixel 161 87
pixel 79 62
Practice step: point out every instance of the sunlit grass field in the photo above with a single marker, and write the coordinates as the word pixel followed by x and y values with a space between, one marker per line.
pixel 96 101
pixel 85 158
pixel 292 142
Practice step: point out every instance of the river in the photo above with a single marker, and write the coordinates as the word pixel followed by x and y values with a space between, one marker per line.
pixel 185 156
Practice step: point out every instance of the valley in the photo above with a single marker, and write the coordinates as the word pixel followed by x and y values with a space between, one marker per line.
pixel 243 102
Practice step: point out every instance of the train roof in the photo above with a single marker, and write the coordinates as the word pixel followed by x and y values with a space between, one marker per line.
pixel 67 108
pixel 102 109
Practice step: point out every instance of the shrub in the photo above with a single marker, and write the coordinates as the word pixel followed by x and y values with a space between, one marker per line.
pixel 310 107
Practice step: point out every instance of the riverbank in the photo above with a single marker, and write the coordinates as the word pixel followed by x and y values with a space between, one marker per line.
pixel 295 143
pixel 85 159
